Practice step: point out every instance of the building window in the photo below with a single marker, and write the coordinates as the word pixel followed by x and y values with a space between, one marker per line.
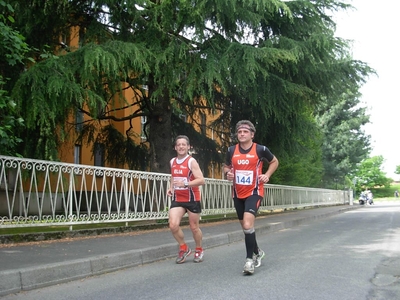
pixel 78 121
pixel 143 131
pixel 203 123
pixel 65 41
pixel 182 117
pixel 77 154
pixel 99 155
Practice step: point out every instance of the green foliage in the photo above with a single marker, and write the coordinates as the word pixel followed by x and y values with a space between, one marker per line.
pixel 302 171
pixel 12 44
pixel 9 122
pixel 58 87
pixel 386 193
pixel 283 103
pixel 370 175
pixel 12 54
pixel 269 61
pixel 345 144
pixel 397 171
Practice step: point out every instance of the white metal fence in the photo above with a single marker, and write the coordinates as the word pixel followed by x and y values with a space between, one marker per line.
pixel 42 193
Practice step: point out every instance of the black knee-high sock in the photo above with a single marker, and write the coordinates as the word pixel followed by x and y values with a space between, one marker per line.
pixel 250 241
pixel 255 245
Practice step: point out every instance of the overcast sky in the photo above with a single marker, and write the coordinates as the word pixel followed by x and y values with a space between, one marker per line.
pixel 374 30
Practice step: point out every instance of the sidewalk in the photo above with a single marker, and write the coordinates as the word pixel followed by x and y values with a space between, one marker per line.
pixel 39 264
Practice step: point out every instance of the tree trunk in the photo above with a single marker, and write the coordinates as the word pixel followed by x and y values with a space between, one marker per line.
pixel 160 136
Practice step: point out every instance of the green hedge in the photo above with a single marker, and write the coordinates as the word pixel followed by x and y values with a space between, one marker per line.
pixel 386 192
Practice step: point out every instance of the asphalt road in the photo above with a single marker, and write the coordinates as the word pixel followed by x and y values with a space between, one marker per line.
pixel 353 255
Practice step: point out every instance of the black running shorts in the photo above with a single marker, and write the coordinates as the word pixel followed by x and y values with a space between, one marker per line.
pixel 194 207
pixel 250 204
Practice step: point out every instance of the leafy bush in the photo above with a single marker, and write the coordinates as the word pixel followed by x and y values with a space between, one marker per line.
pixel 385 192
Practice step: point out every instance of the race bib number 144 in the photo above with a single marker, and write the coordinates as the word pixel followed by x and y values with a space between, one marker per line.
pixel 244 177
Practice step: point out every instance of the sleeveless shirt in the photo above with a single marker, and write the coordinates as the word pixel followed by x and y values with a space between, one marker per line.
pixel 182 172
pixel 247 167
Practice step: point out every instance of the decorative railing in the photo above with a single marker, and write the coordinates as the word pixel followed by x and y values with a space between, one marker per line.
pixel 43 193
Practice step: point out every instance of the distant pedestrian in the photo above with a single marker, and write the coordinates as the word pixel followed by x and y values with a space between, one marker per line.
pixel 186 177
pixel 396 194
pixel 243 166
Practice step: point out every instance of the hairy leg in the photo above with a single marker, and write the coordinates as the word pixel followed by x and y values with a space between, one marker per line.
pixel 175 217
pixel 194 220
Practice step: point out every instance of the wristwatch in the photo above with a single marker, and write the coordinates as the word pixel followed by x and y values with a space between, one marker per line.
pixel 186 184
